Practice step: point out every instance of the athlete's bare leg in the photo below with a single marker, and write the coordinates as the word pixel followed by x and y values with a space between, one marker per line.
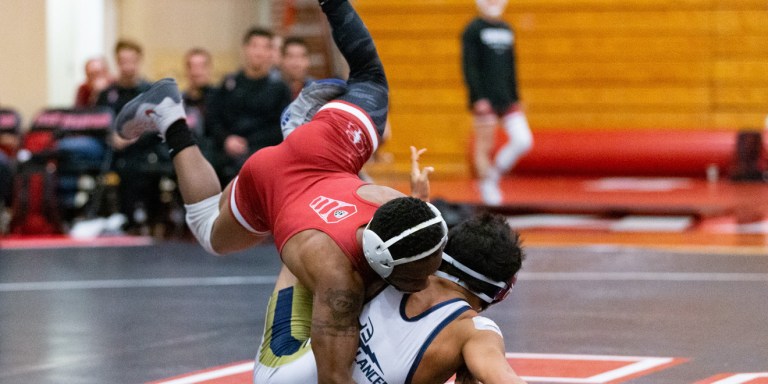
pixel 485 130
pixel 196 178
pixel 519 143
pixel 160 110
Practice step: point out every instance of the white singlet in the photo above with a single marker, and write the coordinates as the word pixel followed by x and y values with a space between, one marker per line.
pixel 391 344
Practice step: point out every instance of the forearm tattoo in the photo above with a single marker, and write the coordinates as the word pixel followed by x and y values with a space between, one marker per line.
pixel 344 307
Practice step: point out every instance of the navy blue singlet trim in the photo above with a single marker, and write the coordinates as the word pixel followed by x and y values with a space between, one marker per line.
pixel 425 313
pixel 429 340
pixel 283 343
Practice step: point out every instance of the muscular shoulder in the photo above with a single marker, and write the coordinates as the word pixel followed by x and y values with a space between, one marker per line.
pixel 300 255
pixel 378 194
pixel 445 354
pixel 481 323
pixel 473 326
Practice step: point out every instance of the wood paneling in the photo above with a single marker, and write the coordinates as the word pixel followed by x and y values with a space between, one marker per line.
pixel 582 64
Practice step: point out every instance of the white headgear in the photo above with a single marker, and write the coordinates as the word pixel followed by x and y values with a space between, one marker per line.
pixel 377 253
pixel 502 287
pixel 492 8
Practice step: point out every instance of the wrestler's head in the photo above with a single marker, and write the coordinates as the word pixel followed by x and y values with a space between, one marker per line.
pixel 491 8
pixel 483 254
pixel 403 242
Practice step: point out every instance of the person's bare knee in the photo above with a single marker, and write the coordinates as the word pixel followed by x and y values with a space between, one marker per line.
pixel 485 135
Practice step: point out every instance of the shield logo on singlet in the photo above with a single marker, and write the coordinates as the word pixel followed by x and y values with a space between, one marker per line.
pixel 357 137
pixel 331 210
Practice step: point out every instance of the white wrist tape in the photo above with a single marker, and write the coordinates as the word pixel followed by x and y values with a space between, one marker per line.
pixel 200 219
pixel 486 324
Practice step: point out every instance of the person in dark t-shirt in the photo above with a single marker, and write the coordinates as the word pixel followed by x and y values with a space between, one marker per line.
pixel 488 62
pixel 243 115
pixel 139 192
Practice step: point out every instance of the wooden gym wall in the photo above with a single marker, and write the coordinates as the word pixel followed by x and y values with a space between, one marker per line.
pixel 583 64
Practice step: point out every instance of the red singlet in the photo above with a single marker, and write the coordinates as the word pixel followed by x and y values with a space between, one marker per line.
pixel 310 181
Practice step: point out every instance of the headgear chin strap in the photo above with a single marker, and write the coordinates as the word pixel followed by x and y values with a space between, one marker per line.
pixel 500 294
pixel 377 253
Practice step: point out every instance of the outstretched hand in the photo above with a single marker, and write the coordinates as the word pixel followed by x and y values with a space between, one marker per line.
pixel 419 176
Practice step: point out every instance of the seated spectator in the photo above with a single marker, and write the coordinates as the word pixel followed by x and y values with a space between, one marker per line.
pixel 244 113
pixel 295 64
pixel 145 161
pixel 97 78
pixel 198 65
pixel 277 57
pixel 83 155
pixel 9 142
pixel 129 82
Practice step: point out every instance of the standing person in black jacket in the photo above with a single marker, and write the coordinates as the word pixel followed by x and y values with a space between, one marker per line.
pixel 488 60
pixel 243 116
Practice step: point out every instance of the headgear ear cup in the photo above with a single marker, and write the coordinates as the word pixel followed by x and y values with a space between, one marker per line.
pixel 376 251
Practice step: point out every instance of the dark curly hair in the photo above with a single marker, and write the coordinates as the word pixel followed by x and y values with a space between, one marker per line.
pixel 486 244
pixel 402 213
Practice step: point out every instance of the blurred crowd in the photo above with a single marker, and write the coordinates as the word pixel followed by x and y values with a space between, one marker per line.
pixel 82 171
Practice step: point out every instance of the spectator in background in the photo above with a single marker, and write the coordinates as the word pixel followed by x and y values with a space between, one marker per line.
pixel 277 56
pixel 244 113
pixel 198 65
pixel 295 64
pixel 488 59
pixel 97 78
pixel 139 164
pixel 6 190
pixel 9 143
pixel 129 82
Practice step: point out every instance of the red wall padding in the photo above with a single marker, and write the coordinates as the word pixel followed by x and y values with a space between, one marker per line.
pixel 627 153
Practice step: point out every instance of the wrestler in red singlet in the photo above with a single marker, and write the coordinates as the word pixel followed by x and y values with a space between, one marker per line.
pixel 311 182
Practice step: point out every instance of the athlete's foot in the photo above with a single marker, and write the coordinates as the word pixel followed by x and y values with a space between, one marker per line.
pixel 151 111
pixel 309 101
pixel 490 192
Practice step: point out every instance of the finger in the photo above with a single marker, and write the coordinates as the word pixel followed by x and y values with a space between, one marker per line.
pixel 415 154
pixel 423 178
pixel 414 161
